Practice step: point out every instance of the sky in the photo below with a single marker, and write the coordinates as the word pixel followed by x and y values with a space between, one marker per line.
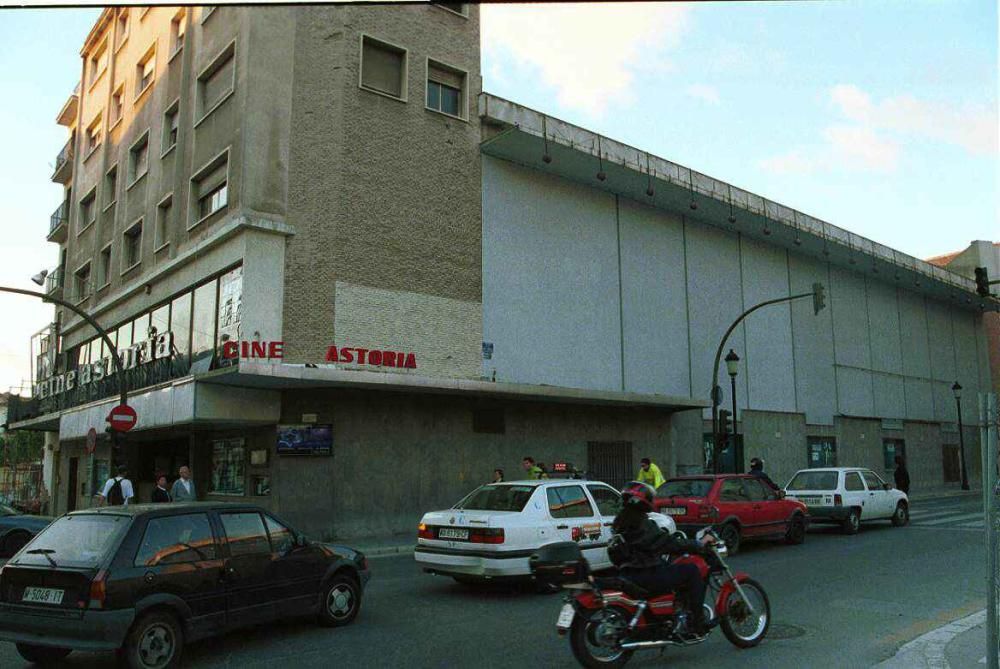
pixel 879 116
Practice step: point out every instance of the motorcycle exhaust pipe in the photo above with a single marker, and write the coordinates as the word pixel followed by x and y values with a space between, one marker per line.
pixel 646 645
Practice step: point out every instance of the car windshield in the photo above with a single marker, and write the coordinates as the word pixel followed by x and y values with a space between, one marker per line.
pixel 813 481
pixel 497 498
pixel 78 541
pixel 685 488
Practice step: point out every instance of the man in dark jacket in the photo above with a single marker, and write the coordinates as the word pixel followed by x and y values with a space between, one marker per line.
pixel 757 471
pixel 160 492
pixel 901 475
pixel 648 543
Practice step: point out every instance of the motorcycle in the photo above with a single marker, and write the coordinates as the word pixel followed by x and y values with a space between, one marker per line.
pixel 608 618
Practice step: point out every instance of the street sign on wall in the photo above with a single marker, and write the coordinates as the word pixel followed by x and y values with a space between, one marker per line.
pixel 122 418
pixel 91 441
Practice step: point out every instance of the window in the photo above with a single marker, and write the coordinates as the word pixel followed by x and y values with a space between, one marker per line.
pixel 124 336
pixel 178 25
pixel 732 491
pixel 891 448
pixel 170 122
pixel 211 188
pixel 383 67
pixel 111 187
pixel 145 69
pixel 132 246
pixel 230 304
pixel 446 89
pixel 176 540
pixel 228 467
pixel 813 481
pixel 84 540
pixel 207 11
pixel 758 491
pixel 180 327
pixel 104 268
pixel 100 471
pixel 161 233
pixel 159 320
pixel 138 159
pixel 217 81
pixel 122 33
pixel 117 105
pixel 93 139
pixel 81 287
pixel 568 502
pixel 98 62
pixel 852 482
pixel 497 498
pixel 282 538
pixel 609 501
pixel 457 7
pixel 245 534
pixel 950 463
pixel 822 452
pixel 873 481
pixel 203 322
pixel 88 210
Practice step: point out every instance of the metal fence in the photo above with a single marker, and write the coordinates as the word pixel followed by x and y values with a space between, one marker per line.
pixel 21 487
pixel 989 413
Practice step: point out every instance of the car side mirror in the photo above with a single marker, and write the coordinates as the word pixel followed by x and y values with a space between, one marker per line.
pixel 781 494
pixel 888 486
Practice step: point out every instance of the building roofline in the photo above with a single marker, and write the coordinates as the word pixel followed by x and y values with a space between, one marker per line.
pixel 96 30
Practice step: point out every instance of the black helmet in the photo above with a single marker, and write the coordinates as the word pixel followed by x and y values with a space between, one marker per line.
pixel 639 495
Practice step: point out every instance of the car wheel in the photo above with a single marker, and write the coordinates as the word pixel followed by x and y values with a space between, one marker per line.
pixel 730 535
pixel 852 523
pixel 796 530
pixel 13 542
pixel 341 601
pixel 902 515
pixel 154 642
pixel 44 656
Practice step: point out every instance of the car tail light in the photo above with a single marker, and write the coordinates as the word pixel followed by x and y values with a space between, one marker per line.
pixel 98 590
pixel 425 531
pixel 486 535
pixel 708 511
pixel 838 500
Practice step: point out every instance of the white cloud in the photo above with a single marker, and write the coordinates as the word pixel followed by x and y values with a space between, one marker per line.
pixel 861 147
pixel 792 162
pixel 704 92
pixel 587 52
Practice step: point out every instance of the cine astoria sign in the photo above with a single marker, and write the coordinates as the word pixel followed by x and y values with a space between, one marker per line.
pixel 371 357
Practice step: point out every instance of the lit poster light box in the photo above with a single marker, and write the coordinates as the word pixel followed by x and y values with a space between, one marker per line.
pixel 305 440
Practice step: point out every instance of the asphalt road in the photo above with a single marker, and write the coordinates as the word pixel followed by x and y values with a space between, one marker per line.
pixel 837 601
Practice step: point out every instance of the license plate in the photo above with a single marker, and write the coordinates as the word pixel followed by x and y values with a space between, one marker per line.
pixel 565 617
pixel 810 500
pixel 676 511
pixel 42 595
pixel 452 533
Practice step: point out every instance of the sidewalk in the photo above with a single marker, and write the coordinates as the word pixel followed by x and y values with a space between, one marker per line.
pixel 958 645
pixel 942 493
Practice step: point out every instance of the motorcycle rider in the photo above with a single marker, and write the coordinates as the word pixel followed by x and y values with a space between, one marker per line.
pixel 646 544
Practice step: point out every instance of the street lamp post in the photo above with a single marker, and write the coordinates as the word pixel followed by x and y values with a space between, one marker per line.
pixel 732 367
pixel 957 390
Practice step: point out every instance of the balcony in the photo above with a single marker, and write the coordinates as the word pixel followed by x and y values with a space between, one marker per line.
pixel 67 115
pixel 58 223
pixel 64 164
pixel 54 281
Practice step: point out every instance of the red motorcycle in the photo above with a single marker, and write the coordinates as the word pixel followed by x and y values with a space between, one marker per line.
pixel 608 618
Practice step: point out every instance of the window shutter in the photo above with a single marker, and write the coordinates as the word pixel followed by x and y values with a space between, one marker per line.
pixel 382 69
pixel 446 77
pixel 218 83
pixel 212 179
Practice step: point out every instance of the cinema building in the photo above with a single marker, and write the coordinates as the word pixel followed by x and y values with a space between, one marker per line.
pixel 332 264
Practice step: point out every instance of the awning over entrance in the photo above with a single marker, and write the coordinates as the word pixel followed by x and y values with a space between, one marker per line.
pixel 530 138
pixel 259 375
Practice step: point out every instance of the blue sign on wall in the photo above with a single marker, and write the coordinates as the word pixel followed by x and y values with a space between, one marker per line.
pixel 305 440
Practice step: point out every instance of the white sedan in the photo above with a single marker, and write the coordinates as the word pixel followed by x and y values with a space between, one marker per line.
pixel 848 495
pixel 494 529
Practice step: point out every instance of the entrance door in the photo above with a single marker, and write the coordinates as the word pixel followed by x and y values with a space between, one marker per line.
pixel 950 464
pixel 611 462
pixel 71 491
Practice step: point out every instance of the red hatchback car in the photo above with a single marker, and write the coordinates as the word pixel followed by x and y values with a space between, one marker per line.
pixel 740 506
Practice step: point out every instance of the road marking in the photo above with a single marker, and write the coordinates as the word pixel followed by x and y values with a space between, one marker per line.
pixel 977 525
pixel 934 514
pixel 938 528
pixel 952 519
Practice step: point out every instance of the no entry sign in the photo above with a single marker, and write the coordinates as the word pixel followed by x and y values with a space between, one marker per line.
pixel 122 418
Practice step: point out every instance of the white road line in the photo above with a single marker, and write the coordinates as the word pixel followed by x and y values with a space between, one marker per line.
pixel 952 519
pixel 978 525
pixel 935 514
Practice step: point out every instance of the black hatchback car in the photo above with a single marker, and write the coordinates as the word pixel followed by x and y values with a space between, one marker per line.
pixel 144 580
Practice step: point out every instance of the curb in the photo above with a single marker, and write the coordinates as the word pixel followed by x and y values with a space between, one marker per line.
pixel 385 551
pixel 945 494
pixel 928 651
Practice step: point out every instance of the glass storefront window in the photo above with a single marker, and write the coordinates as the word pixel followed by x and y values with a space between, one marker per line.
pixel 161 319
pixel 203 322
pixel 124 337
pixel 180 326
pixel 230 303
pixel 95 349
pixel 105 352
pixel 140 329
pixel 228 467
pixel 82 355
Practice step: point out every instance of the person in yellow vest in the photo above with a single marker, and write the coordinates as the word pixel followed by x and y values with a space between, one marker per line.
pixel 649 474
pixel 533 470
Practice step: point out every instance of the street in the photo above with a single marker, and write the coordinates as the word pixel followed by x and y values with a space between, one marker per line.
pixel 836 601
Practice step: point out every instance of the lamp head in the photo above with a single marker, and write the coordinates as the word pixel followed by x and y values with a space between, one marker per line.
pixel 732 362
pixel 39 278
pixel 957 390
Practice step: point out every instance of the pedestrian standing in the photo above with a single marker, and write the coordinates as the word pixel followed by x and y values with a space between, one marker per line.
pixel 901 475
pixel 117 491
pixel 183 488
pixel 534 471
pixel 650 474
pixel 160 492
pixel 497 476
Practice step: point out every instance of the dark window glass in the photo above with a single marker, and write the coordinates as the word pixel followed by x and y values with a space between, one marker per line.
pixel 82 540
pixel 282 539
pixel 245 533
pixel 732 491
pixel 203 323
pixel 685 488
pixel 228 467
pixel 755 490
pixel 890 449
pixel 813 481
pixel 822 452
pixel 569 502
pixel 852 482
pixel 609 500
pixel 873 481
pixel 500 497
pixel 176 539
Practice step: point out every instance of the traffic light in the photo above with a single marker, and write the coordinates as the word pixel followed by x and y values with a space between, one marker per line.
pixel 982 282
pixel 724 422
pixel 819 298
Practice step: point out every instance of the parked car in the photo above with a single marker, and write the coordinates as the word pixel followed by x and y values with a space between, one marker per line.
pixel 146 579
pixel 492 531
pixel 848 495
pixel 740 506
pixel 17 528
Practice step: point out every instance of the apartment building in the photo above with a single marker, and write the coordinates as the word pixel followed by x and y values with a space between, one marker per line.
pixel 328 261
